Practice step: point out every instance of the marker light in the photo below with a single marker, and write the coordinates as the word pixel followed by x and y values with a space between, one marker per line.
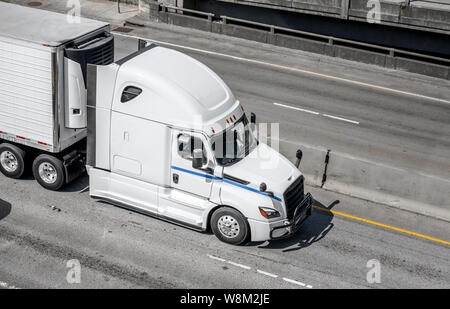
pixel 268 213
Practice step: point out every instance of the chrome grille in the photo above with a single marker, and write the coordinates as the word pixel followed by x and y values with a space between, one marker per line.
pixel 293 196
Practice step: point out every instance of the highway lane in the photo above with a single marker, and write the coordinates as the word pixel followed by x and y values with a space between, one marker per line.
pixel 40 231
pixel 391 128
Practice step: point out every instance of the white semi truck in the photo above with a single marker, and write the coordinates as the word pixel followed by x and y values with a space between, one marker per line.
pixel 157 131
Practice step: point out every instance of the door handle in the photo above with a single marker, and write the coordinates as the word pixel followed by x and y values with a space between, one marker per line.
pixel 175 178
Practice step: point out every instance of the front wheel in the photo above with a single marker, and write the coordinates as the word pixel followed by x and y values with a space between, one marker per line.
pixel 229 225
pixel 49 172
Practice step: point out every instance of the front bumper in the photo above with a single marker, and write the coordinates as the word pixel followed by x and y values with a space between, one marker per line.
pixel 302 212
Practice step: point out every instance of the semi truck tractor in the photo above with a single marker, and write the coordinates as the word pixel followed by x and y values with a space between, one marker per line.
pixel 157 131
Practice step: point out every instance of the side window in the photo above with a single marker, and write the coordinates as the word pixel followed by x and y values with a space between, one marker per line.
pixel 129 93
pixel 187 144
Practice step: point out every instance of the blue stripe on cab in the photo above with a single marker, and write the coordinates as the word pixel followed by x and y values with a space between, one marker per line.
pixel 224 180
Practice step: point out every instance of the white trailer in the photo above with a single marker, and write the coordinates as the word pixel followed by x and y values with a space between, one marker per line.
pixel 43 92
pixel 165 135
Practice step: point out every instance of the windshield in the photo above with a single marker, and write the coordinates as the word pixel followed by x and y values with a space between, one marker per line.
pixel 235 143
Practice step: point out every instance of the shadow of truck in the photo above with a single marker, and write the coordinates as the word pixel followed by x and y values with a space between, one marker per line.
pixel 314 229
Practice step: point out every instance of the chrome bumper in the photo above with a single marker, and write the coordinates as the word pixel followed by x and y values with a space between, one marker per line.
pixel 302 212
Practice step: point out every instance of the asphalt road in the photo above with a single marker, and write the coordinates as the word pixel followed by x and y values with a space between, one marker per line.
pixel 40 231
pixel 389 127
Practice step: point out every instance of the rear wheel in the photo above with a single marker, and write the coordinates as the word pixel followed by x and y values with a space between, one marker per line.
pixel 12 161
pixel 229 225
pixel 49 172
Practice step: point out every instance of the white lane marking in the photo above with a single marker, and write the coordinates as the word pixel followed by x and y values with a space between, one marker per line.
pixel 294 282
pixel 316 113
pixel 239 265
pixel 341 79
pixel 297 108
pixel 340 118
pixel 7 286
pixel 216 258
pixel 267 273
pixel 258 271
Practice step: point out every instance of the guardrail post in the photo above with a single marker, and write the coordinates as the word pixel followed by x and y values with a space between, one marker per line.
pixel 345 5
pixel 271 36
pixel 390 59
pixel 224 20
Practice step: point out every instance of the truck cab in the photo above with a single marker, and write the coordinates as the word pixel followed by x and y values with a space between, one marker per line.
pixel 167 137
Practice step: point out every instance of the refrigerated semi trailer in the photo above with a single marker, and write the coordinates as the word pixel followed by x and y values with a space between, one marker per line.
pixel 43 91
pixel 157 131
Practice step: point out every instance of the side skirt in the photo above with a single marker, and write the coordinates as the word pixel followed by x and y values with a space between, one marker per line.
pixel 147 213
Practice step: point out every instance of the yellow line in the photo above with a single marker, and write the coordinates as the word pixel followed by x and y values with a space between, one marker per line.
pixel 383 225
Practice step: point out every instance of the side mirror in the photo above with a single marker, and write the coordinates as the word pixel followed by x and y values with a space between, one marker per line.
pixel 253 118
pixel 299 156
pixel 197 160
pixel 142 44
pixel 263 187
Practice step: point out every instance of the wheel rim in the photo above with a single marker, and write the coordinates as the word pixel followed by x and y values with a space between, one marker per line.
pixel 48 173
pixel 9 161
pixel 228 226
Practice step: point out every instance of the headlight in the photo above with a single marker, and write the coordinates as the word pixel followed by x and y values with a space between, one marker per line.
pixel 268 213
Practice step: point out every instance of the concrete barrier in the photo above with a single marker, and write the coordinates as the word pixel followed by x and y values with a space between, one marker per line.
pixel 293 39
pixel 245 33
pixel 424 68
pixel 359 55
pixel 390 11
pixel 326 6
pixel 189 21
pixel 427 15
pixel 406 189
pixel 303 44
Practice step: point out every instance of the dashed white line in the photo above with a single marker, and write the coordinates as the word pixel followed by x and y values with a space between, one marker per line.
pixel 294 282
pixel 216 258
pixel 297 108
pixel 340 79
pixel 267 273
pixel 239 265
pixel 340 118
pixel 315 113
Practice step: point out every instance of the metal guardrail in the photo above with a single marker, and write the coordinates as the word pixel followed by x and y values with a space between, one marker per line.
pixel 272 29
pixel 209 16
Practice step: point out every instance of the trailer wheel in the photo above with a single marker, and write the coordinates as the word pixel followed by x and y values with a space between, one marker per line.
pixel 229 225
pixel 12 161
pixel 49 172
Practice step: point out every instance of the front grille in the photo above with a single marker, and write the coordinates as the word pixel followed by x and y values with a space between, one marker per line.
pixel 293 196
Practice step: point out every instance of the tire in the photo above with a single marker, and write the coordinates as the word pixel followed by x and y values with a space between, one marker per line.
pixel 12 161
pixel 49 172
pixel 230 226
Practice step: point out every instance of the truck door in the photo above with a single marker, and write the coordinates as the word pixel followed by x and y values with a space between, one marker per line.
pixel 183 176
